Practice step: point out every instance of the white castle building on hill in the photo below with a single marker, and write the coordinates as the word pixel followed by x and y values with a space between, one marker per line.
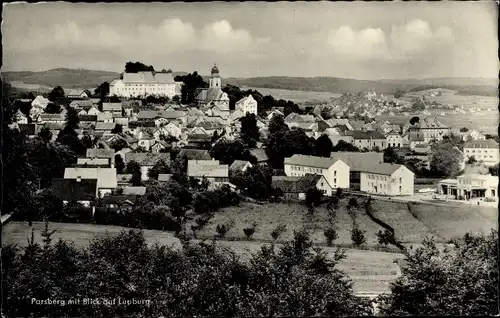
pixel 145 84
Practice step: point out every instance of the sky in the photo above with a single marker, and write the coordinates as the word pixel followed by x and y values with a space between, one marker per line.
pixel 379 40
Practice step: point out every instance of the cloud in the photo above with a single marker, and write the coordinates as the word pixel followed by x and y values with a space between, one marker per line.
pixel 410 40
pixel 220 36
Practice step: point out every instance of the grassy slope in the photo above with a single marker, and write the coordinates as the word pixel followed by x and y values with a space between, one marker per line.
pixel 269 216
pixel 370 271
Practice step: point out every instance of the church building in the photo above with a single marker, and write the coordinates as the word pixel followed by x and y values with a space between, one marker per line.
pixel 212 99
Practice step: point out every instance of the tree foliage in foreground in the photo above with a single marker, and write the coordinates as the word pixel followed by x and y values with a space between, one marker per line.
pixel 459 281
pixel 198 280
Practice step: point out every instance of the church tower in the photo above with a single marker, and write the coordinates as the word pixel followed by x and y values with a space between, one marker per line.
pixel 215 80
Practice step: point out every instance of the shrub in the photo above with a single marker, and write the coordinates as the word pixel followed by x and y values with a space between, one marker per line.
pixel 353 203
pixel 331 235
pixel 222 229
pixel 357 236
pixel 276 233
pixel 313 197
pixel 339 193
pixel 386 237
pixel 249 231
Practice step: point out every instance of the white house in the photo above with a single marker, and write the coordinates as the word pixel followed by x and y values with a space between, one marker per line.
pixel 247 105
pixel 336 172
pixel 215 173
pixel 470 186
pixel 40 102
pixel 106 177
pixel 386 179
pixel 482 150
pixel 296 187
pixel 145 84
pixel 394 139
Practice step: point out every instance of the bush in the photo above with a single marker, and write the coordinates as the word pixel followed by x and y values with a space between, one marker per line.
pixel 331 235
pixel 276 233
pixel 353 203
pixel 249 231
pixel 313 197
pixel 339 193
pixel 357 236
pixel 222 229
pixel 386 237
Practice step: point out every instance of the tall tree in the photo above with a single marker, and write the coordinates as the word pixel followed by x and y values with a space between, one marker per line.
pixel 135 170
pixel 161 166
pixel 57 92
pixel 391 156
pixel 249 131
pixel 117 130
pixel 102 90
pixel 324 146
pixel 53 108
pixel 445 160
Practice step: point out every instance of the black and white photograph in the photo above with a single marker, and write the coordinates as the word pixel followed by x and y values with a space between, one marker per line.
pixel 250 159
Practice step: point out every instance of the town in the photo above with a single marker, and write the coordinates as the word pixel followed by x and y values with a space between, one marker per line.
pixel 158 192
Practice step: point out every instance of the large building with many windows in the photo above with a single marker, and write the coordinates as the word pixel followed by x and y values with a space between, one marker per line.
pixel 145 84
pixel 483 151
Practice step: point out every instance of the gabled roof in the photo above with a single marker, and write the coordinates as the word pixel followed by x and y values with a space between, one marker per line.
pixel 380 168
pixel 74 92
pixel 487 143
pixel 134 190
pixel 238 165
pixel 295 184
pixel 207 168
pixel 310 161
pixel 104 116
pixel 148 77
pixel 119 199
pixel 146 159
pixel 106 176
pixel 259 154
pixel 124 178
pixel 293 117
pixel 104 126
pixel 356 160
pixel 195 154
pixel 94 161
pixel 52 117
pixel 111 107
pixel 92 118
pixel 163 177
pixel 81 103
pixel 73 190
pixel 358 134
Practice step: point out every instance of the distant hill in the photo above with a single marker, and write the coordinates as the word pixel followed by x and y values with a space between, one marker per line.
pixel 88 79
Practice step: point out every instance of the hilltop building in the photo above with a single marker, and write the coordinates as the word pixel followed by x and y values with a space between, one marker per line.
pixel 145 84
pixel 213 96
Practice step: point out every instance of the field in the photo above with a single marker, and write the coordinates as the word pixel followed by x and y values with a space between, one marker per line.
pixel 294 216
pixel 451 221
pixel 370 271
pixel 295 96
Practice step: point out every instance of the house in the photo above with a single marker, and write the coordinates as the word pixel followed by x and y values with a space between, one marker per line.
pixel 106 177
pixel 213 95
pixel 486 151
pixel 199 141
pixel 173 129
pixel 296 187
pixel 236 115
pixel 81 104
pixel 123 180
pixel 430 128
pixel 124 203
pixel 472 135
pixel 102 162
pixel 73 93
pixel 386 179
pixel 159 146
pixel 336 172
pixel 105 117
pixel 339 133
pixel 259 154
pixel 52 118
pixel 87 119
pixel 211 170
pixel 273 112
pixel 139 191
pixel 309 128
pixel 356 161
pixel 102 154
pixel 214 110
pixel 146 140
pixel 368 139
pixel 80 190
pixel 195 154
pixel 469 186
pixel 119 120
pixel 164 177
pixel 240 166
pixel 106 128
pixel 146 161
pixel 247 105
pixel 394 139
pixel 112 108
pixel 332 122
pixel 40 102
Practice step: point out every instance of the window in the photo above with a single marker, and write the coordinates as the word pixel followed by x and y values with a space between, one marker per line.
pixel 335 181
pixel 321 183
pixel 400 189
pixel 335 173
pixel 400 180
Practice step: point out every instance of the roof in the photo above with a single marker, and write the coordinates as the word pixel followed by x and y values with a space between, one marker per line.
pixel 294 117
pixel 295 184
pixel 337 121
pixel 238 164
pixel 259 154
pixel 162 177
pixel 429 122
pixel 134 190
pixel 358 134
pixel 104 126
pixel 210 94
pixel 199 137
pixel 195 154
pixel 146 159
pixel 487 143
pixel 310 161
pixel 87 117
pixel 93 161
pixel 103 116
pixel 50 117
pixel 119 199
pixel 304 126
pixel 111 106
pixel 73 190
pixel 207 168
pixel 148 77
pixel 356 160
pixel 106 177
pixel 123 177
pixel 380 168
pixel 74 92
pixel 244 99
pixel 210 124
pixel 81 103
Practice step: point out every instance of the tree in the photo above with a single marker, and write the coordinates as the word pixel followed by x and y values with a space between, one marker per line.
pixel 222 229
pixel 53 108
pixel 399 93
pixel 391 156
pixel 418 105
pixel 176 99
pixel 45 134
pixel 324 146
pixel 57 92
pixel 386 237
pixel 249 131
pixel 471 160
pixel 118 129
pixel 277 125
pixel 191 82
pixel 344 146
pixel 249 231
pixel 255 182
pixel 326 113
pixel 313 197
pixel 278 231
pixel 161 166
pixel 229 151
pixel 445 160
pixel 493 170
pixel 135 169
pixel 414 120
pixel 119 144
pixel 102 90
pixel 462 280
pixel 464 129
pixel 357 236
pixel 119 164
pixel 136 67
pixel 330 235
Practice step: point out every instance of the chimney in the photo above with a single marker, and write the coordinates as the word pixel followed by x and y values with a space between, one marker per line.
pixel 78 179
